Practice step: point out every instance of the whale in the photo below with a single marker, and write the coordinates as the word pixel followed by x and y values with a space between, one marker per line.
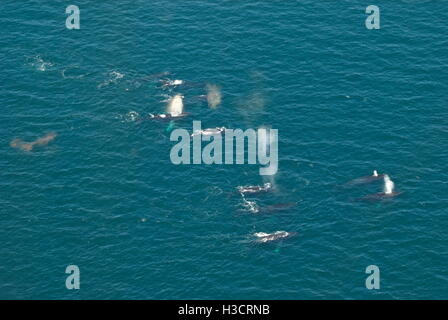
pixel 209 132
pixel 167 116
pixel 169 84
pixel 364 180
pixel 388 191
pixel 136 83
pixel 263 237
pixel 28 146
pixel 254 189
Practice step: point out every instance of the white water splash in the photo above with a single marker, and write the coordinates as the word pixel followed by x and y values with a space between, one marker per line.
pixel 176 105
pixel 213 96
pixel 388 185
pixel 131 116
pixel 114 76
pixel 40 64
pixel 251 206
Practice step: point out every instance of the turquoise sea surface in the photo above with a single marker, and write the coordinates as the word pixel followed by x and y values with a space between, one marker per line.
pixel 104 195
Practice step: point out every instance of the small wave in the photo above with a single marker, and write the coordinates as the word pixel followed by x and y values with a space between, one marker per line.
pixel 39 64
pixel 166 98
pixel 214 190
pixel 131 116
pixel 73 72
pixel 114 76
pixel 250 206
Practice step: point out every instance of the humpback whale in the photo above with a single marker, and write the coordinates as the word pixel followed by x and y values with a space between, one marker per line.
pixel 254 189
pixel 388 191
pixel 209 132
pixel 366 179
pixel 167 83
pixel 171 83
pixel 167 116
pixel 262 237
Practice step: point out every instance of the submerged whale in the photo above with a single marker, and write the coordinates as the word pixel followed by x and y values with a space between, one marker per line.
pixel 28 146
pixel 262 237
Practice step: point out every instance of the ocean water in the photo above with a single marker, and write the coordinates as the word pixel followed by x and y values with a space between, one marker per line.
pixel 105 196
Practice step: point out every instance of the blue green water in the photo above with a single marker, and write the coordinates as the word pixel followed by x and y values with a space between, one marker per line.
pixel 105 196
